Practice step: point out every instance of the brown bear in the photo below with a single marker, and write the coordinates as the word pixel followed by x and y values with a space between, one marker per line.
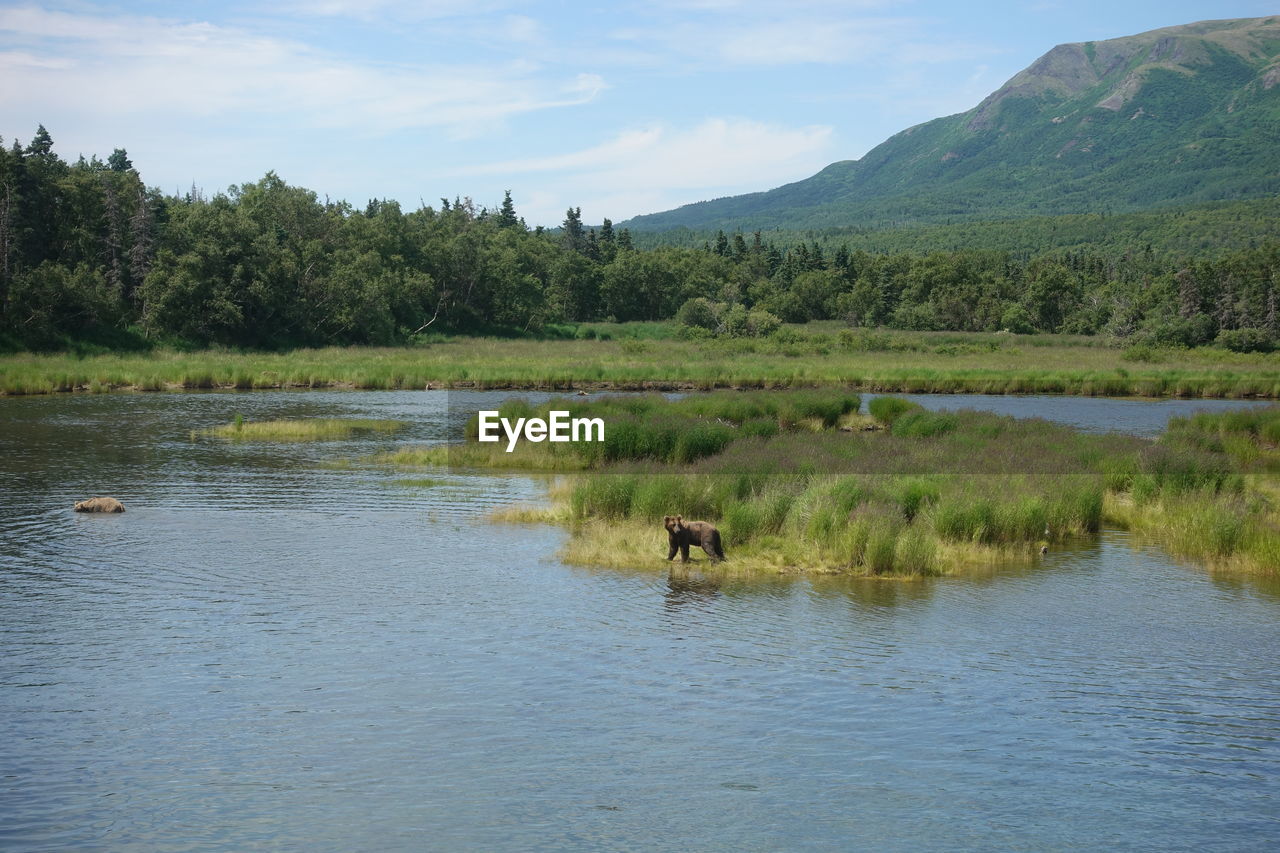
pixel 681 534
pixel 99 505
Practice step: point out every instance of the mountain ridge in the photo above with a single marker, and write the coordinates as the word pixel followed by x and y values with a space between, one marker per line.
pixel 1182 114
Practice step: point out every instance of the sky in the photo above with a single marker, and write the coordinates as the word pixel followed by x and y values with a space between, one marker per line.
pixel 619 109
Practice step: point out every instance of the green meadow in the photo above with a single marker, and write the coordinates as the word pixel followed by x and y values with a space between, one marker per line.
pixel 803 481
pixel 635 356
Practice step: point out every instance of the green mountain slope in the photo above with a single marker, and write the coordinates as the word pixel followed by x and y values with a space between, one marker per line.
pixel 1181 115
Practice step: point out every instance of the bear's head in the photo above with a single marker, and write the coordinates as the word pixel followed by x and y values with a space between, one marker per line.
pixel 673 523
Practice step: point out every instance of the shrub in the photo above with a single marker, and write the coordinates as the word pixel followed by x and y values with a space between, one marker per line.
pixel 1245 340
pixel 761 323
pixel 699 313
pixel 1017 319
pixel 1141 352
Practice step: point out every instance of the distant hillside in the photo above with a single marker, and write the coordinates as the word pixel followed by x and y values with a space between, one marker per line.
pixel 1181 115
pixel 1204 231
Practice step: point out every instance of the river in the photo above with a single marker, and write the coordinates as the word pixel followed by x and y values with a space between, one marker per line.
pixel 269 652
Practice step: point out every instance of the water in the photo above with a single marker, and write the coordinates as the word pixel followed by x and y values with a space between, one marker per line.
pixel 265 652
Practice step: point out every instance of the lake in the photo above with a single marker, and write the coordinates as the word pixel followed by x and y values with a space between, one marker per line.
pixel 268 652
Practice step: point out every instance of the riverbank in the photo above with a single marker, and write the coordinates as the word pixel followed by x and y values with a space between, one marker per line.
pixel 653 357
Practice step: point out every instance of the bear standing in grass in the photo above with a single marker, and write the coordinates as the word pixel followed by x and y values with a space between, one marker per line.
pixel 681 534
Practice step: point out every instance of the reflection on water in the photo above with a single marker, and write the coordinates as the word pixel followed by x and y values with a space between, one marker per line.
pixel 265 652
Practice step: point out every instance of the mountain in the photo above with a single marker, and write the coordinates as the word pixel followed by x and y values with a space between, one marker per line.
pixel 1180 115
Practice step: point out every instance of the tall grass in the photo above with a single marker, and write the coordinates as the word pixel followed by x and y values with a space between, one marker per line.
pixel 652 428
pixel 952 489
pixel 930 495
pixel 629 358
pixel 1207 490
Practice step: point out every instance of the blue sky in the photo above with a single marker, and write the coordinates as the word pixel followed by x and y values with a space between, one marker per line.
pixel 620 108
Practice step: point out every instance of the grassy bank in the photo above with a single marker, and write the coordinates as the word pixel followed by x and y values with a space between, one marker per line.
pixel 793 488
pixel 640 356
pixel 1208 491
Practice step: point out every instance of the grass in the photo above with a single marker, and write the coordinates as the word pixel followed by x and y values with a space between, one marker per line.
pixel 1208 491
pixel 935 494
pixel 793 486
pixel 319 429
pixel 650 356
pixel 647 428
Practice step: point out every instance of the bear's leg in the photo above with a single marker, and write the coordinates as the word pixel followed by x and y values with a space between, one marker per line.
pixel 684 552
pixel 674 548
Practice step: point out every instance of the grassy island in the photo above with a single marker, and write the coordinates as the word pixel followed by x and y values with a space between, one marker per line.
pixel 315 429
pixel 804 481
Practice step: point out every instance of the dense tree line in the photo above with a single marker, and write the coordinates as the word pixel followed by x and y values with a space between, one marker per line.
pixel 89 253
pixel 1205 230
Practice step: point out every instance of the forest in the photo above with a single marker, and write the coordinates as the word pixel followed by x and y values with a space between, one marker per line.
pixel 90 256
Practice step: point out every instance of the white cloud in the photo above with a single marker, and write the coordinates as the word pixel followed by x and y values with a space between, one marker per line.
pixel 375 10
pixel 87 65
pixel 757 33
pixel 658 167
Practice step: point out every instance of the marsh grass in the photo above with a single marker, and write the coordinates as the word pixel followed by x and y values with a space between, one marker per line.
pixel 319 429
pixel 933 494
pixel 538 457
pixel 803 494
pixel 808 356
pixel 1208 490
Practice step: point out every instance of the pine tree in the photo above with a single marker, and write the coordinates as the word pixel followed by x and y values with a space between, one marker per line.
pixel 722 244
pixel 119 161
pixel 41 144
pixel 507 215
pixel 572 233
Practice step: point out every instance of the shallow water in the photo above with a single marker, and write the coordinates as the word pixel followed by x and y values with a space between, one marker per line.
pixel 266 652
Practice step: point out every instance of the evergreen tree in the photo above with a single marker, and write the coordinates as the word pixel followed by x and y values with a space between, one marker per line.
pixel 507 215
pixel 572 233
pixel 722 245
pixel 119 161
pixel 41 144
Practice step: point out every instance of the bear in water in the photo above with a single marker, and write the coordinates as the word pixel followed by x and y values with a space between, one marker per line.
pixel 681 534
pixel 99 505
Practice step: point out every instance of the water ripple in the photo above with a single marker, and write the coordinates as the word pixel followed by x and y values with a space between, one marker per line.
pixel 268 652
